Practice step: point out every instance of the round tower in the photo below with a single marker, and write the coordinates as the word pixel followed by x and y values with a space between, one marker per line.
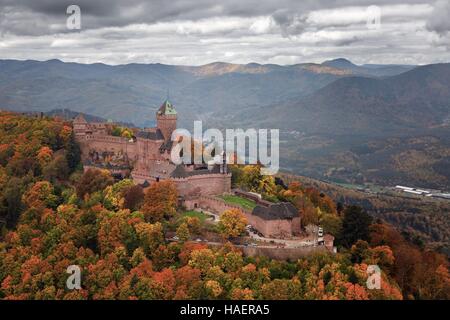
pixel 166 119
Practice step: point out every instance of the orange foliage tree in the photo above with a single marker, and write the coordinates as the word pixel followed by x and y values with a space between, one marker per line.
pixel 160 201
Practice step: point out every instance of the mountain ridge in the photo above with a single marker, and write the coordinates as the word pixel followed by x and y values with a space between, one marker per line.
pixel 336 123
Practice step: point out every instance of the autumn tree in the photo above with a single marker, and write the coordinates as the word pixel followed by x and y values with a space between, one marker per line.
pixel 193 224
pixel 133 197
pixel 213 288
pixel 41 194
pixel 160 201
pixel 281 289
pixel 331 224
pixel 232 223
pixel 242 294
pixel 183 232
pixel 57 168
pixel 93 180
pixel 355 226
pixel 202 259
pixel 115 230
pixel 44 156
pixel 115 194
pixel 150 236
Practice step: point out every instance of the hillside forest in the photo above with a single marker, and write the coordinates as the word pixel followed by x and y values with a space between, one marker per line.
pixel 53 215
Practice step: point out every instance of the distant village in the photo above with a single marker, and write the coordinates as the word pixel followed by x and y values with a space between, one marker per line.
pixel 423 192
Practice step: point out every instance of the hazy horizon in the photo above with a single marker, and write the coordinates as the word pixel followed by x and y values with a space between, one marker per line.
pixel 218 62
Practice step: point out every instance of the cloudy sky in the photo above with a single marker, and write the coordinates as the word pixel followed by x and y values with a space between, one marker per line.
pixel 194 32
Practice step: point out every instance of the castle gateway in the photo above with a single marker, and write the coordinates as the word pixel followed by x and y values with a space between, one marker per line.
pixel 146 156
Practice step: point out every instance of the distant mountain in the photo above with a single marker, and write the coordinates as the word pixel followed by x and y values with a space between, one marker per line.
pixel 70 115
pixel 133 92
pixel 385 124
pixel 393 130
pixel 417 99
pixel 374 70
pixel 341 63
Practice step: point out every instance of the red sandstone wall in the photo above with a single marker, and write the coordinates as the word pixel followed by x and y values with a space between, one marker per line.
pixel 296 226
pixel 292 254
pixel 108 143
pixel 275 228
pixel 148 150
pixel 207 184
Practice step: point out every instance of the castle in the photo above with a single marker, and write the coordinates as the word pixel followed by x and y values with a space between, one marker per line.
pixel 145 157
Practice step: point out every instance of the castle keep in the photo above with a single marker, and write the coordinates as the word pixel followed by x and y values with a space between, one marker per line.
pixel 146 156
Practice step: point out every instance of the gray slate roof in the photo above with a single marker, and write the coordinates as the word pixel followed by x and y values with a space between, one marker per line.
pixel 181 172
pixel 157 135
pixel 276 211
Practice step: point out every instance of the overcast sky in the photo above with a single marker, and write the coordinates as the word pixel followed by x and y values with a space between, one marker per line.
pixel 194 32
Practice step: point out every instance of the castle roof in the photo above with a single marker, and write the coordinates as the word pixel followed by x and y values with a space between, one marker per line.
pixel 151 135
pixel 181 172
pixel 276 211
pixel 167 109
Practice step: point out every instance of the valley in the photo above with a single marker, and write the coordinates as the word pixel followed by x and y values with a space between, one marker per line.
pixel 347 123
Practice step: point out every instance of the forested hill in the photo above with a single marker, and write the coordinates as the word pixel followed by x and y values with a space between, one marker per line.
pixel 55 215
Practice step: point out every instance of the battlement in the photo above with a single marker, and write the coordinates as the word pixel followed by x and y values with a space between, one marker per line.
pixel 108 138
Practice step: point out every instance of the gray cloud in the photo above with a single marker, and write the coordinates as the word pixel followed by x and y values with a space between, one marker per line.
pixel 202 31
pixel 110 13
pixel 290 22
pixel 439 21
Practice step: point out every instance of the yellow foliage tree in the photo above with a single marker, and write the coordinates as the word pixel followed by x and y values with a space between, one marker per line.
pixel 183 232
pixel 232 223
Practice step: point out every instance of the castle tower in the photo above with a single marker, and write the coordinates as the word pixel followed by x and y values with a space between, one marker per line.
pixel 80 125
pixel 166 119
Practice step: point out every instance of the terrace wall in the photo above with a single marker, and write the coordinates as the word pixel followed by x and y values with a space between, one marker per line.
pixel 291 254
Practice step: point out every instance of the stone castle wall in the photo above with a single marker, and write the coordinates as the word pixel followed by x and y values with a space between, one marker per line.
pixel 204 184
pixel 101 143
pixel 281 228
pixel 292 254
